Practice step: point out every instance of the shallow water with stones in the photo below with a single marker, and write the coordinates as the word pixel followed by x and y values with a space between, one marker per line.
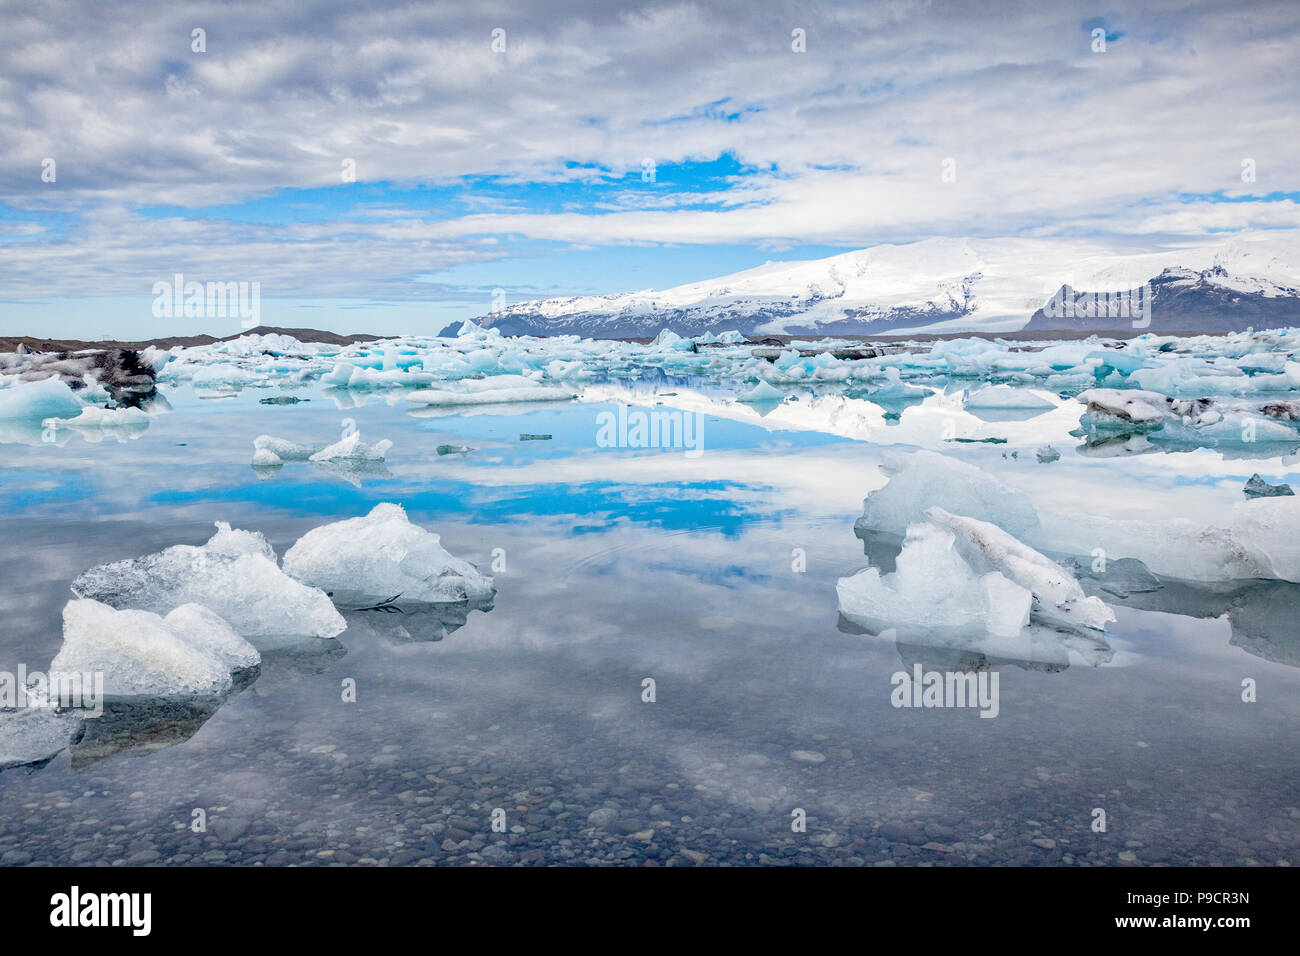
pixel 620 565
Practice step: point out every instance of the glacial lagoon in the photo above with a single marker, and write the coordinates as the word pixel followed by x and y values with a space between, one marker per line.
pixel 664 674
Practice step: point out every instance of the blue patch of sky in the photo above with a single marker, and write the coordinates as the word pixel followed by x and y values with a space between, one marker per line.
pixel 1220 196
pixel 686 506
pixel 56 225
pixel 1095 22
pixel 593 190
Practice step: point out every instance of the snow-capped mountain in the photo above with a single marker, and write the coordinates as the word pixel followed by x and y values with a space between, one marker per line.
pixel 942 285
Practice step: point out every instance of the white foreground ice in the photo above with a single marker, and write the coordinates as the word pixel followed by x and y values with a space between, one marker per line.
pixel 235 574
pixel 190 651
pixel 956 573
pixel 382 557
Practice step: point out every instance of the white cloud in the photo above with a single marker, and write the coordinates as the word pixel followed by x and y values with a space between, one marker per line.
pixel 1047 137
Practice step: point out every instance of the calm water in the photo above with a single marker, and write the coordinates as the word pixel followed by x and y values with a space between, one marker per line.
pixel 622 565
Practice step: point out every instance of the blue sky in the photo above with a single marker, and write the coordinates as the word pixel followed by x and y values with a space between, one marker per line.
pixel 386 169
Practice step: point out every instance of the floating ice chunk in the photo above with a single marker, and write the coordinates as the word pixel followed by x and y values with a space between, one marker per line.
pixel 1058 597
pixel 224 375
pixel 760 393
pixel 1176 548
pixel 924 478
pixel 203 629
pixel 1136 406
pixel 234 574
pixel 896 389
pixel 276 451
pixel 669 341
pixel 47 398
pixel 383 558
pixel 1047 454
pixel 353 448
pixel 191 651
pixel 934 588
pixel 1257 487
pixel 265 458
pixel 1004 396
pixel 93 417
pixel 471 329
pixel 33 734
pixel 491 391
pixel 1202 421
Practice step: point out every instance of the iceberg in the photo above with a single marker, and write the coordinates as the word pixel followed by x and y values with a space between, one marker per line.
pixel 760 393
pixel 40 400
pixel 1260 538
pixel 268 450
pixel 1004 397
pixel 958 574
pixel 922 479
pixel 933 588
pixel 493 390
pixel 34 734
pixel 94 417
pixel 383 559
pixel 190 652
pixel 1058 596
pixel 235 574
pixel 353 448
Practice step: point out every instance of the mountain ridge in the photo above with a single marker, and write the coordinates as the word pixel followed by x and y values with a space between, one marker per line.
pixel 943 285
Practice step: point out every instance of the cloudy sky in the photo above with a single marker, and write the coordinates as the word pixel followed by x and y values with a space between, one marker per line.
pixel 385 167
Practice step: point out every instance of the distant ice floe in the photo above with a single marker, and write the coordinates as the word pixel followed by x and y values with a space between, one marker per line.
pixel 235 575
pixel 349 459
pixel 760 393
pixel 269 451
pixel 1005 397
pixel 494 390
pixel 353 448
pixel 383 559
pixel 478 366
pixel 1206 422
